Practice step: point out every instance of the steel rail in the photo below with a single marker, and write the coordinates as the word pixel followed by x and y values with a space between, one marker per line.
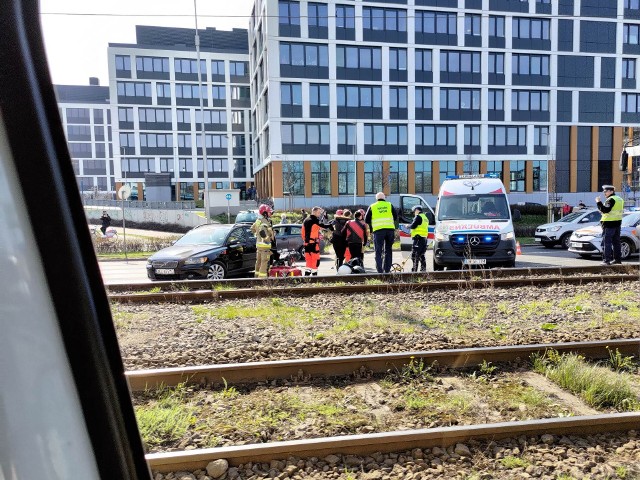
pixel 387 442
pixel 209 295
pixel 238 373
pixel 410 277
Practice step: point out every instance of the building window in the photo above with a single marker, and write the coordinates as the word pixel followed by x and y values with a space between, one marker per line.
pixel 496 63
pixel 240 93
pixel 238 69
pixel 373 177
pixel 540 176
pixel 78 115
pixel 353 96
pixel 346 177
pixel 423 60
pixel 163 90
pixel 386 135
pixel 398 97
pixel 237 117
pixel 304 55
pixel 495 168
pixel 133 89
pixel 211 117
pixel 496 26
pixel 629 68
pixel 289 13
pixel 321 178
pixel 398 177
pixel 154 115
pixel 472 25
pixel 345 17
pixel 432 22
pixel 471 135
pixel 525 100
pixel 423 97
pixel 123 62
pixel 541 137
pixel 423 176
pixel 218 92
pixel 436 135
pixel 531 28
pixel 156 140
pixel 184 140
pixel 359 57
pixel 319 95
pixel 630 103
pixel 152 64
pixel 217 67
pixel 347 136
pixel 186 165
pixel 305 133
pixel 291 94
pixel 190 66
pixel 80 150
pixel 458 98
pixel 500 136
pixel 522 64
pixel 293 177
pixel 447 169
pixel 631 34
pixel 213 141
pixel 183 115
pixel 318 15
pixel 517 176
pixel 187 90
pixel 496 99
pixel 471 167
pixel 466 62
pixel 384 19
pixel 127 140
pixel 398 59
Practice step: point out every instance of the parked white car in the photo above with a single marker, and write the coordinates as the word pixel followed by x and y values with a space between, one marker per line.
pixel 559 233
pixel 588 241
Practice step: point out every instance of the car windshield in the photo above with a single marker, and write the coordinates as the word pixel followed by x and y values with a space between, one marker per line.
pixel 631 220
pixel 205 236
pixel 571 217
pixel 473 207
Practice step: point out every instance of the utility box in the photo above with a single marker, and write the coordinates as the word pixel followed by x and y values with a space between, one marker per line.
pixel 158 187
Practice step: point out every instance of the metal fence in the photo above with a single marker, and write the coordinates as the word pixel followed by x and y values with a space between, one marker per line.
pixel 188 205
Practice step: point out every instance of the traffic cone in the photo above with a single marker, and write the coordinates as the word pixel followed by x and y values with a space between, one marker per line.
pixel 518 249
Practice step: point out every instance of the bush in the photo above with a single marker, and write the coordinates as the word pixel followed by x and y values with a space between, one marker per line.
pixel 133 245
pixel 158 227
pixel 529 209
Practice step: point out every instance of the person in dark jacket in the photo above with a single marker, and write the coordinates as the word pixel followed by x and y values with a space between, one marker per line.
pixel 355 232
pixel 338 239
pixel 611 223
pixel 419 235
pixel 106 222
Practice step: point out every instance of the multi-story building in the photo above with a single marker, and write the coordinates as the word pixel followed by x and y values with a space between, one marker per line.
pixel 350 98
pixel 86 119
pixel 159 121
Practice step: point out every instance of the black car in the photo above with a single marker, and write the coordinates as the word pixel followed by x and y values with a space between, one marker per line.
pixel 210 251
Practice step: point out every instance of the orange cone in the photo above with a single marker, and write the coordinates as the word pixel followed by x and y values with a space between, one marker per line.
pixel 518 249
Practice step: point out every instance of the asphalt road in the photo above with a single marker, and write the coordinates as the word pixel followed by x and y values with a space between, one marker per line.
pixel 134 271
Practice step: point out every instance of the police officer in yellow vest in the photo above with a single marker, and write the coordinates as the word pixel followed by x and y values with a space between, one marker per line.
pixel 382 218
pixel 419 233
pixel 611 221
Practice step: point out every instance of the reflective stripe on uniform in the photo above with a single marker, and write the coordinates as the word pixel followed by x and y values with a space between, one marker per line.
pixel 615 215
pixel 382 215
pixel 423 228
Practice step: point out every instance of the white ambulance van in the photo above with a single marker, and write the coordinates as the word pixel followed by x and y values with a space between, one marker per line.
pixel 473 224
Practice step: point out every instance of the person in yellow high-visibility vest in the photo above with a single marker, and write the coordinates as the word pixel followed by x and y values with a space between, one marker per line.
pixel 382 218
pixel 611 222
pixel 419 234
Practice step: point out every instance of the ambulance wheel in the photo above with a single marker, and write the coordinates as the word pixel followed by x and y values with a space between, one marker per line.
pixel 437 268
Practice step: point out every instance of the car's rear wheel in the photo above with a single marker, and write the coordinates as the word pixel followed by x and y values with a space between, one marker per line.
pixel 217 271
pixel 626 249
pixel 565 240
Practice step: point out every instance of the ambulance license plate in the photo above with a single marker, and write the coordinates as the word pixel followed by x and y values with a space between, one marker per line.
pixel 474 261
pixel 165 271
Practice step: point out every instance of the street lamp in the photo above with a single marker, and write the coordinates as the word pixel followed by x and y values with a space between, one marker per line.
pixel 355 162
pixel 204 140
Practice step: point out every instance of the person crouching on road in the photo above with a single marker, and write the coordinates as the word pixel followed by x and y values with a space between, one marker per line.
pixel 311 238
pixel 356 235
pixel 338 239
pixel 419 234
pixel 382 218
pixel 611 223
pixel 262 229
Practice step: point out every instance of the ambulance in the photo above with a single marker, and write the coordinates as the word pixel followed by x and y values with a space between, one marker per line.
pixel 473 224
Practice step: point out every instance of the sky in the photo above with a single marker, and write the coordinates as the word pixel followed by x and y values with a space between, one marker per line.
pixel 76 44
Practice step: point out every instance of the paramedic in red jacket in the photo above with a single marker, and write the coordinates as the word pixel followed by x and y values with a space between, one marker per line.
pixel 311 238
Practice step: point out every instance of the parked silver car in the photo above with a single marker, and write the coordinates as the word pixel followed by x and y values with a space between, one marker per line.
pixel 588 241
pixel 559 233
pixel 289 237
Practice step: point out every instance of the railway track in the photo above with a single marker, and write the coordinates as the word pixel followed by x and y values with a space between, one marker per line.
pixel 257 288
pixel 395 441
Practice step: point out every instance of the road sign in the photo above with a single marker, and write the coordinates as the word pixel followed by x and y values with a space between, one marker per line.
pixel 124 192
pixel 228 196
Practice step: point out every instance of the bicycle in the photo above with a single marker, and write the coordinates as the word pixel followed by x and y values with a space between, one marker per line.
pixel 111 234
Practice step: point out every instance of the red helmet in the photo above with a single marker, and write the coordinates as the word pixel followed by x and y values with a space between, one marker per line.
pixel 339 212
pixel 264 208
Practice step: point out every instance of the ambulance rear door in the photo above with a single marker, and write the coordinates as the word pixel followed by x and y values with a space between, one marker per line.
pixel 407 202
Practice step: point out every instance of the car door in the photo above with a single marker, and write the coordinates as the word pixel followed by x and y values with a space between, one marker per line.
pixel 295 237
pixel 235 250
pixel 249 254
pixel 282 240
